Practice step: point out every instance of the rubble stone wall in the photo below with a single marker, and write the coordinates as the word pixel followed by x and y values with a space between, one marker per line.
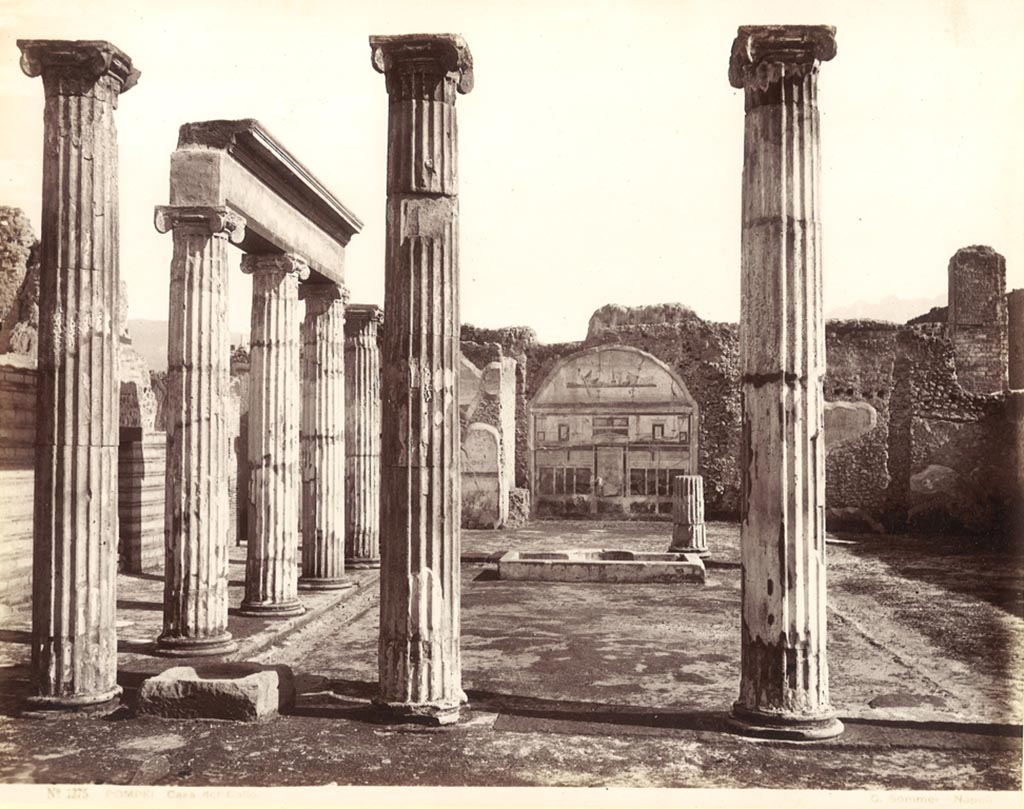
pixel 860 356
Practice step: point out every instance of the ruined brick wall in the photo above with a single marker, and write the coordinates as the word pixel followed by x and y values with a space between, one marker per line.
pixel 1015 338
pixel 706 356
pixel 17 478
pixel 977 318
pixel 955 459
pixel 860 356
pixel 515 342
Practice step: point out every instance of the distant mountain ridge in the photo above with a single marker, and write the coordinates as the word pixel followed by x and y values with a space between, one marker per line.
pixel 891 308
pixel 149 339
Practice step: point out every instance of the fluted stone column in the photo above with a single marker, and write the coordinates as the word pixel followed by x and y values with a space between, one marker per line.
pixel 272 564
pixel 688 531
pixel 419 658
pixel 322 438
pixel 362 445
pixel 74 578
pixel 196 514
pixel 784 681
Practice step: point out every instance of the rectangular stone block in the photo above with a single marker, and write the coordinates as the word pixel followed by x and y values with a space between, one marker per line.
pixel 239 692
pixel 611 566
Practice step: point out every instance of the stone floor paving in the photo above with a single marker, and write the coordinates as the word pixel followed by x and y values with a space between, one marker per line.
pixel 599 685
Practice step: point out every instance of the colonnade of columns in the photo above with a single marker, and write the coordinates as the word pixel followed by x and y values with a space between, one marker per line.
pixel 297 441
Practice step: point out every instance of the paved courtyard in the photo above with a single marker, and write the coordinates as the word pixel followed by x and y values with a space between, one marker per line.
pixel 590 684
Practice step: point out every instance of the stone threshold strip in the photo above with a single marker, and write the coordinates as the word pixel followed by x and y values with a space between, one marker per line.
pixel 232 183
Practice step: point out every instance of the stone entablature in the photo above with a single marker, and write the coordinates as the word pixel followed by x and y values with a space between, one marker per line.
pixel 241 166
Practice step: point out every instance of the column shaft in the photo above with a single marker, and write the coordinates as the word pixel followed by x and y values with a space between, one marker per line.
pixel 688 531
pixel 196 484
pixel 271 571
pixel 419 656
pixel 784 675
pixel 322 438
pixel 74 644
pixel 362 446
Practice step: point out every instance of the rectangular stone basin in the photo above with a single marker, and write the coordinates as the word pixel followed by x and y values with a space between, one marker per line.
pixel 611 566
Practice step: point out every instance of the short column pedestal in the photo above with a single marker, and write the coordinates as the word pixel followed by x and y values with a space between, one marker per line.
pixel 688 531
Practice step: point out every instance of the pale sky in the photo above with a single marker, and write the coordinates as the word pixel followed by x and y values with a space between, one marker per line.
pixel 600 152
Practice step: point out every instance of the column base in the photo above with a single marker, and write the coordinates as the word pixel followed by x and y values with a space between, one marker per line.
pixel 792 727
pixel 176 646
pixel 58 707
pixel 325 584
pixel 703 553
pixel 271 609
pixel 420 713
pixel 361 564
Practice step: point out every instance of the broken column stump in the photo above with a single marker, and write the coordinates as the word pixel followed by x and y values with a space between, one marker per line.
pixel 419 656
pixel 688 531
pixel 784 673
pixel 74 570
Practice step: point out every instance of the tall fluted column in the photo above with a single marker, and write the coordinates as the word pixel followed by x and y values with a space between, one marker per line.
pixel 74 569
pixel 784 681
pixel 362 444
pixel 271 570
pixel 196 514
pixel 322 438
pixel 419 657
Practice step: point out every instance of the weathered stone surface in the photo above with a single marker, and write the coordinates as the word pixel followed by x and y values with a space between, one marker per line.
pixel 419 654
pixel 784 674
pixel 196 414
pixel 847 421
pixel 17 244
pixel 689 534
pixel 322 437
pixel 484 490
pixel 518 508
pixel 240 692
pixel 74 662
pixel 362 445
pixel 488 396
pixel 272 566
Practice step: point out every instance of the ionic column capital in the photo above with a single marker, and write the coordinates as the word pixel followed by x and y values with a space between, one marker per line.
pixel 762 54
pixel 276 262
pixel 77 65
pixel 208 220
pixel 358 315
pixel 324 292
pixel 447 54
